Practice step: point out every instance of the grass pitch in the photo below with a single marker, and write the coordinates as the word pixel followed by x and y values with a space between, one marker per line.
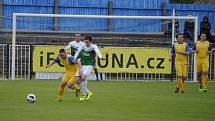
pixel 112 101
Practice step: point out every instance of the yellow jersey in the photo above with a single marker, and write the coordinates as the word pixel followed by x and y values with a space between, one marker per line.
pixel 67 63
pixel 202 49
pixel 180 58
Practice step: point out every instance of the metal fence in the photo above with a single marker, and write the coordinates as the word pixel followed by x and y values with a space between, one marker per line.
pixel 3 61
pixel 23 61
pixel 163 77
pixel 24 67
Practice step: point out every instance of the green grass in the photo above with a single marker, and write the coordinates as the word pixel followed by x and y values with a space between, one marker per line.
pixel 112 101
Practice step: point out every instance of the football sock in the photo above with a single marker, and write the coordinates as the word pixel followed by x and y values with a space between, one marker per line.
pixel 206 81
pixel 61 91
pixel 82 88
pixel 85 86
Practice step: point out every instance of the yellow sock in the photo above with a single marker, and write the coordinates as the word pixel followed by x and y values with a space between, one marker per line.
pixel 200 80
pixel 61 91
pixel 180 84
pixel 206 81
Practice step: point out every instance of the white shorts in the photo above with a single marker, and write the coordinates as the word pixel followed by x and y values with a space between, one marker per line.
pixel 86 70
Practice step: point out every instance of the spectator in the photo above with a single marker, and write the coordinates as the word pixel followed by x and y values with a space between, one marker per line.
pixel 169 28
pixel 205 27
pixel 189 29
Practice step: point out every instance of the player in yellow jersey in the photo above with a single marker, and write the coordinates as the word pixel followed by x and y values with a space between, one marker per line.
pixel 180 51
pixel 65 60
pixel 202 50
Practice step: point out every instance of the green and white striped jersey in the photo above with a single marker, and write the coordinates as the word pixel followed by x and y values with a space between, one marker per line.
pixel 73 46
pixel 87 54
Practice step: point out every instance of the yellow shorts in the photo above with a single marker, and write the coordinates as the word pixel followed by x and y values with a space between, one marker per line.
pixel 181 69
pixel 69 77
pixel 202 65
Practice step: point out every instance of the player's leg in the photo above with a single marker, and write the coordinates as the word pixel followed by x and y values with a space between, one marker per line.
pixel 80 82
pixel 72 84
pixel 205 74
pixel 199 78
pixel 96 72
pixel 184 75
pixel 85 76
pixel 199 74
pixel 179 77
pixel 61 87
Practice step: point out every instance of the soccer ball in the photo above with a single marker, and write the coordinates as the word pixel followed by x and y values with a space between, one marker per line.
pixel 31 98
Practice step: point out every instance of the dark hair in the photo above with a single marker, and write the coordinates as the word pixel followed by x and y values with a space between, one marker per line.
pixel 88 37
pixel 62 51
pixel 178 35
pixel 202 33
pixel 77 33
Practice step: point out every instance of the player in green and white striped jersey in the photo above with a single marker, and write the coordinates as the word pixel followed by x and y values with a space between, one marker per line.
pixel 74 45
pixel 86 53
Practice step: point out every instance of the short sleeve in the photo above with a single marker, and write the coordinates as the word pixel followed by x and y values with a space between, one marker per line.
pixel 194 46
pixel 187 48
pixel 69 46
pixel 70 59
pixel 57 59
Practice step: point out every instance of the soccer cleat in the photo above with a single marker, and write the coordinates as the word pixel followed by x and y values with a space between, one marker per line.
pixel 205 90
pixel 182 91
pixel 60 98
pixel 82 98
pixel 88 96
pixel 176 91
pixel 77 92
pixel 200 88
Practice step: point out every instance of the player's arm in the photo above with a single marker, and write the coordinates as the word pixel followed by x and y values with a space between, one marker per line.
pixel 98 53
pixel 78 62
pixel 172 53
pixel 78 65
pixel 56 60
pixel 187 51
pixel 68 47
pixel 194 48
pixel 78 52
pixel 52 63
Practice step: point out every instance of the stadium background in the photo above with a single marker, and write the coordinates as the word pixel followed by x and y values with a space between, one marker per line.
pixel 56 31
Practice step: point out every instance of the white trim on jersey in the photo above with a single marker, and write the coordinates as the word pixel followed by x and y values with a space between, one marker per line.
pixel 92 47
pixel 74 44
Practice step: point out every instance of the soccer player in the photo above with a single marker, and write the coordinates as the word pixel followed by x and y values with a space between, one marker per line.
pixel 65 60
pixel 180 51
pixel 86 53
pixel 72 47
pixel 202 50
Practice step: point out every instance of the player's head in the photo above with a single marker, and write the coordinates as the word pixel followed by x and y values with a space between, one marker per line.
pixel 180 38
pixel 88 40
pixel 77 37
pixel 62 53
pixel 203 37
